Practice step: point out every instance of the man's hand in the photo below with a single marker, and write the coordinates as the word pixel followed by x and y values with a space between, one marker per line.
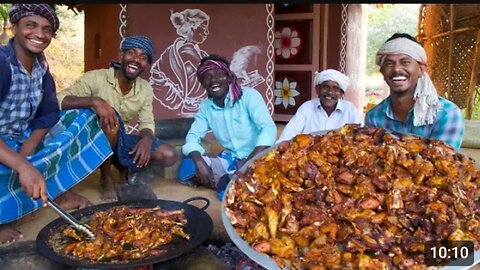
pixel 29 146
pixel 204 173
pixel 106 114
pixel 142 151
pixel 33 182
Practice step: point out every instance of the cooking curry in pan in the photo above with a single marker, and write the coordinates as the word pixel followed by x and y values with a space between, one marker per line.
pixel 127 234
pixel 122 233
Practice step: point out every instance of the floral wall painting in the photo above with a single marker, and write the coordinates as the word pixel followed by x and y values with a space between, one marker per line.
pixel 292 89
pixel 287 43
pixel 285 92
pixel 293 42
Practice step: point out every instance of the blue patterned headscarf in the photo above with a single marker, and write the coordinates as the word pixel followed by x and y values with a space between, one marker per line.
pixel 18 11
pixel 140 42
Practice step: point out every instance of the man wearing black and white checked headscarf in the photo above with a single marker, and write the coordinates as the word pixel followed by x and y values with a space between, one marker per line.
pixel 19 11
pixel 28 114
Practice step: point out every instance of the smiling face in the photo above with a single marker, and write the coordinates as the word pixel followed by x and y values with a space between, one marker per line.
pixel 33 34
pixel 216 83
pixel 329 93
pixel 133 62
pixel 401 72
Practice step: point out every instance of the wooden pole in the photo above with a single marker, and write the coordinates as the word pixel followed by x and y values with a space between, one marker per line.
pixel 456 31
pixel 473 78
pixel 421 21
pixel 450 55
pixel 356 54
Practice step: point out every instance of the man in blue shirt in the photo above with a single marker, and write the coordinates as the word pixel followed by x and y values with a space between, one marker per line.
pixel 237 116
pixel 413 106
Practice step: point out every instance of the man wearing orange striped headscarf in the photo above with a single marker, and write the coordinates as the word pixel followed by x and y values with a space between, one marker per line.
pixel 239 119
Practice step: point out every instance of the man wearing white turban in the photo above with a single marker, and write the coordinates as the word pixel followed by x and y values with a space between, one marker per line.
pixel 413 106
pixel 328 111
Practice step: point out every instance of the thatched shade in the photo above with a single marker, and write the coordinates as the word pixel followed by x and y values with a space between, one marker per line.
pixel 451 37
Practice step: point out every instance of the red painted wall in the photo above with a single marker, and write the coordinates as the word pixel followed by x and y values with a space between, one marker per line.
pixel 230 27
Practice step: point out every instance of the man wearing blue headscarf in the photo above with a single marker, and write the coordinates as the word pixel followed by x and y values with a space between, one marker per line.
pixel 117 95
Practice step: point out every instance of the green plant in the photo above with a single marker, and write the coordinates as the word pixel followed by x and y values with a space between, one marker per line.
pixel 6 33
pixel 476 104
pixel 65 54
pixel 384 22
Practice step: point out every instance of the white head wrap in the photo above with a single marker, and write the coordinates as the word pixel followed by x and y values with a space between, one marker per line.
pixel 426 97
pixel 332 75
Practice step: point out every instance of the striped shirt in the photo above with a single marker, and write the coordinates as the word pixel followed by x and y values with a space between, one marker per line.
pixel 448 126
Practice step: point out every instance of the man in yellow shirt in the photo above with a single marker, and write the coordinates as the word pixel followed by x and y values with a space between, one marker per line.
pixel 119 93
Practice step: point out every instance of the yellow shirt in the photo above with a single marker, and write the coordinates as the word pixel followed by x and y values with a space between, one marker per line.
pixel 103 83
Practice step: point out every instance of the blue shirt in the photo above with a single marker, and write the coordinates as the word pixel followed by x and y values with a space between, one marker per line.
pixel 238 128
pixel 448 125
pixel 25 100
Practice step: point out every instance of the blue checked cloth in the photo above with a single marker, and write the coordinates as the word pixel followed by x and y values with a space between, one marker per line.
pixel 125 144
pixel 72 149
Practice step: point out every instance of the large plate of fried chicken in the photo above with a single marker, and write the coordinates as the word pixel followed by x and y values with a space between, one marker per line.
pixel 352 198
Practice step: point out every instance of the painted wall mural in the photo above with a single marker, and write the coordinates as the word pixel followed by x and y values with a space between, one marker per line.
pixel 173 75
pixel 293 47
pixel 293 42
pixel 198 31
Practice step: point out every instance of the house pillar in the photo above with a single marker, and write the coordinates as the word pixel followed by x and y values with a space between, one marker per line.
pixel 356 50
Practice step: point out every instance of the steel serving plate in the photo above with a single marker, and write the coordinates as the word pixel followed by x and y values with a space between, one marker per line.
pixel 265 260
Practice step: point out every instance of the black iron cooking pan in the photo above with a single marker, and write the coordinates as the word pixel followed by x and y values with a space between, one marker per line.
pixel 199 226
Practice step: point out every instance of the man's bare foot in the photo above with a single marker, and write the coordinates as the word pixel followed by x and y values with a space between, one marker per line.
pixel 8 234
pixel 71 200
pixel 109 192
